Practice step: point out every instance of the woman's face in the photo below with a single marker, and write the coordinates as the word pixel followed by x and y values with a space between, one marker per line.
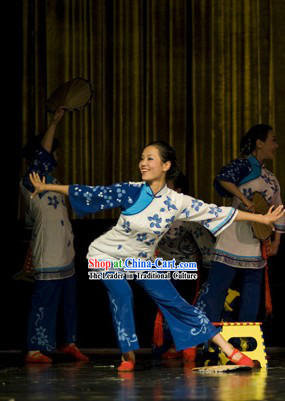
pixel 269 146
pixel 151 165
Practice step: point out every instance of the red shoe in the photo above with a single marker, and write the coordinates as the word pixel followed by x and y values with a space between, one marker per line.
pixel 37 357
pixel 75 353
pixel 189 354
pixel 172 354
pixel 126 366
pixel 243 361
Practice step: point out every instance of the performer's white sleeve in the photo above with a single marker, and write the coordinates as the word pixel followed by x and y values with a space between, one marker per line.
pixel 215 218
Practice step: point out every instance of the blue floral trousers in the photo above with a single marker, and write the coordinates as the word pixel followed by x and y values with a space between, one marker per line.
pixel 188 326
pixel 48 295
pixel 213 293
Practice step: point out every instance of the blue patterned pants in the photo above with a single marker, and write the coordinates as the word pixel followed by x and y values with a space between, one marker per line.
pixel 212 298
pixel 188 326
pixel 48 295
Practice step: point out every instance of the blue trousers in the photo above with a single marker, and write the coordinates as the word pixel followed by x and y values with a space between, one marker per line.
pixel 48 295
pixel 188 326
pixel 167 337
pixel 212 298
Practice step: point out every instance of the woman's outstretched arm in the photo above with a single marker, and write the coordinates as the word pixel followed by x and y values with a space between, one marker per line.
pixel 268 218
pixel 86 199
pixel 218 218
pixel 41 186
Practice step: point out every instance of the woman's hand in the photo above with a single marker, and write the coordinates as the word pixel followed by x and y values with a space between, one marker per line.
pixel 58 115
pixel 272 249
pixel 273 246
pixel 38 184
pixel 273 215
pixel 233 189
pixel 249 205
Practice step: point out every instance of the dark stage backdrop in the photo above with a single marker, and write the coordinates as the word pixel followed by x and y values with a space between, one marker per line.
pixel 195 73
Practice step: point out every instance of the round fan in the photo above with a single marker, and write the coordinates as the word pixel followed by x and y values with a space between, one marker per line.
pixel 221 369
pixel 261 231
pixel 72 95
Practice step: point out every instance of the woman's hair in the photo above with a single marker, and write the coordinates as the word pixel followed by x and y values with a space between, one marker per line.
pixel 248 141
pixel 167 153
pixel 31 146
pixel 181 182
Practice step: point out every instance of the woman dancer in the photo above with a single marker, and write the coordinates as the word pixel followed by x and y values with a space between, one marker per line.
pixel 148 210
pixel 185 242
pixel 52 254
pixel 237 249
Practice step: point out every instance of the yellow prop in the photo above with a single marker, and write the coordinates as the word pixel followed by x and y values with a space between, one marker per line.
pixel 245 329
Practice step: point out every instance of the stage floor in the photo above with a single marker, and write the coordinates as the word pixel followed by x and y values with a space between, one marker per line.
pixel 152 379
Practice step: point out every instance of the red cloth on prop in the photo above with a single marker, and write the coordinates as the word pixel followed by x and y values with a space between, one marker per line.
pixel 158 330
pixel 268 302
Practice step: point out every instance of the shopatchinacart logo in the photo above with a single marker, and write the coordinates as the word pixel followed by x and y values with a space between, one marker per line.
pixel 131 268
